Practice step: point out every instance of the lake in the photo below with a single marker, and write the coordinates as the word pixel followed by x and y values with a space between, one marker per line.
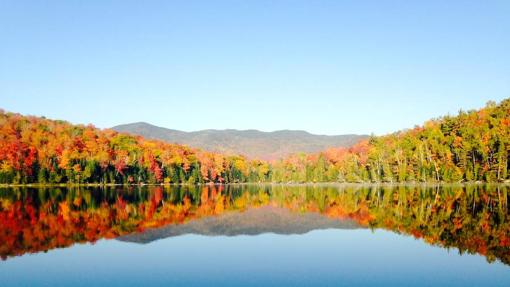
pixel 255 235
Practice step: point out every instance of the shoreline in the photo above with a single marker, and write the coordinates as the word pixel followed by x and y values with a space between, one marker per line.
pixel 360 184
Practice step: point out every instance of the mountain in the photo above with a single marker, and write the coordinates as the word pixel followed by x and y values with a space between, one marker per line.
pixel 267 219
pixel 251 143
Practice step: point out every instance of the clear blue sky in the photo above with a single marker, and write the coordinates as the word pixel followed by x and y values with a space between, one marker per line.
pixel 328 67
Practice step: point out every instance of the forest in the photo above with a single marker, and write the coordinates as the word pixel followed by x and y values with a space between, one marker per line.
pixel 471 146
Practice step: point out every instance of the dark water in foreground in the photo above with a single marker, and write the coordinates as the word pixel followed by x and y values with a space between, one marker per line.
pixel 255 236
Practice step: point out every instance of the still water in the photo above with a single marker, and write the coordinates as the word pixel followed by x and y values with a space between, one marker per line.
pixel 255 235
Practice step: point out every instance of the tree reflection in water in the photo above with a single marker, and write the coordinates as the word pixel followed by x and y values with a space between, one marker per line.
pixel 470 218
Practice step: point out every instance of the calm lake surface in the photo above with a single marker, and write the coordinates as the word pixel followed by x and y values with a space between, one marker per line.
pixel 255 235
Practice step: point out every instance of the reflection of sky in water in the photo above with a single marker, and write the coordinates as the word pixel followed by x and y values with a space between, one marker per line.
pixel 327 257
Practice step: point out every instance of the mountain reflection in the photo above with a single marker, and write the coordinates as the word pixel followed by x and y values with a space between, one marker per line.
pixel 253 221
pixel 473 219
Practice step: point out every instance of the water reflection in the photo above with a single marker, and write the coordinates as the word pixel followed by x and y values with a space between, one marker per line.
pixel 472 219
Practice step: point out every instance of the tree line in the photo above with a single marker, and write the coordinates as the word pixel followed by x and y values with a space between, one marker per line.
pixel 38 150
pixel 471 146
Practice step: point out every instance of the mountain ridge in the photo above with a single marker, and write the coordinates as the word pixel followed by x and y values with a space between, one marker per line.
pixel 251 143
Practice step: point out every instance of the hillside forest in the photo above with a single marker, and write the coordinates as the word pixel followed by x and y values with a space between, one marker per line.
pixel 471 146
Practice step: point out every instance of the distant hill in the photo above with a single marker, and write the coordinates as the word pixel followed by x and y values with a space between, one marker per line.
pixel 255 221
pixel 251 143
